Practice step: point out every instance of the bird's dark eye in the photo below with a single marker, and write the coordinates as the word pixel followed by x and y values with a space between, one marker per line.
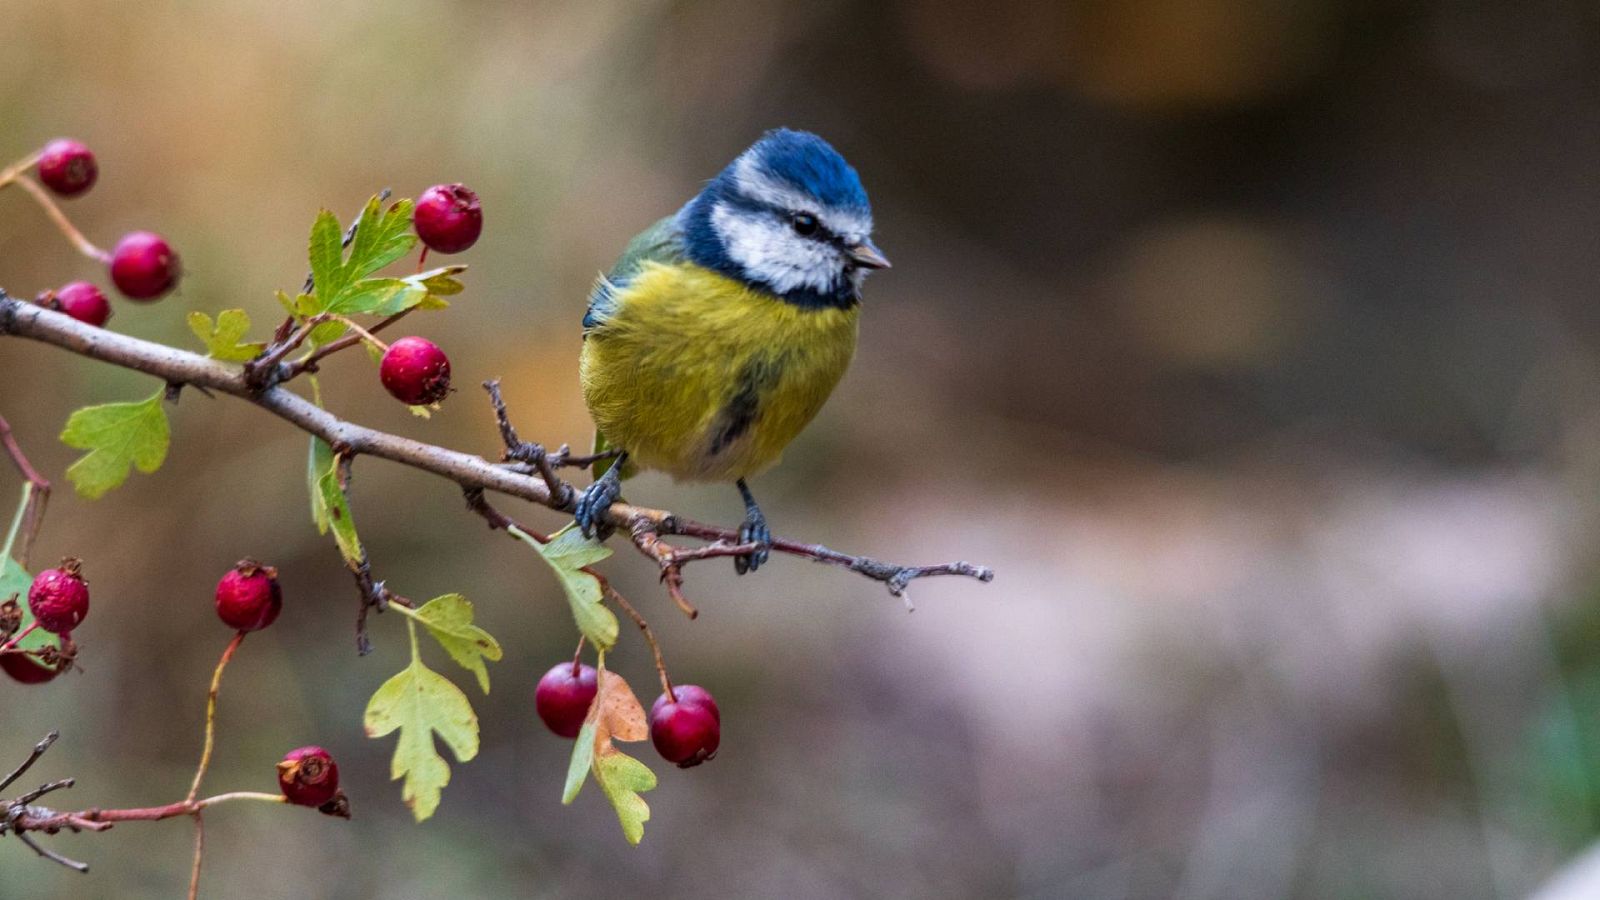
pixel 805 224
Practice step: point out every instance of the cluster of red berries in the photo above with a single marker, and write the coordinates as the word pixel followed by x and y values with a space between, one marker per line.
pixel 143 265
pixel 59 601
pixel 448 218
pixel 685 725
pixel 248 599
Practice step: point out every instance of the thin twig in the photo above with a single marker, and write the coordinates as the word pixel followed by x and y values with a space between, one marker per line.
pixel 11 173
pixel 38 751
pixel 52 855
pixel 261 370
pixel 211 713
pixel 309 363
pixel 199 854
pixel 649 636
pixel 564 497
pixel 62 223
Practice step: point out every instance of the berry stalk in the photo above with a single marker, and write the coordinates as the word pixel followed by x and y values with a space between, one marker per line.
pixel 211 713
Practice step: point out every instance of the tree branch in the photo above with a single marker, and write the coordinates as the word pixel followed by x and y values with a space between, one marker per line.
pixel 175 366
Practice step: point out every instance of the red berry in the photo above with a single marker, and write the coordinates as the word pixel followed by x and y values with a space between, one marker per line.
pixel 308 776
pixel 687 731
pixel 563 698
pixel 67 167
pixel 82 301
pixel 415 371
pixel 59 598
pixel 248 596
pixel 143 265
pixel 448 217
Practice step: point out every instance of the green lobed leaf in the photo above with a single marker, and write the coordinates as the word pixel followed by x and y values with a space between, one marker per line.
pixel 420 703
pixel 380 238
pixel 567 553
pixel 222 339
pixel 327 256
pixel 118 436
pixel 582 759
pixel 330 508
pixel 448 618
pixel 623 778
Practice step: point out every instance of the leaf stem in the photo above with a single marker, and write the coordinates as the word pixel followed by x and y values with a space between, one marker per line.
pixel 211 714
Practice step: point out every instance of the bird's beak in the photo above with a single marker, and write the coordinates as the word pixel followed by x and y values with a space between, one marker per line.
pixel 868 257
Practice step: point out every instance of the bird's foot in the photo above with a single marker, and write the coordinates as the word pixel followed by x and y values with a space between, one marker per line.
pixel 595 500
pixel 753 531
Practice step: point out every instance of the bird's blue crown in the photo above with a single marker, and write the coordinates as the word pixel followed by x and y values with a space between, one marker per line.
pixel 788 216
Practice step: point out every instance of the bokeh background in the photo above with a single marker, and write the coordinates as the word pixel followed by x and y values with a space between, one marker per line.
pixel 1255 344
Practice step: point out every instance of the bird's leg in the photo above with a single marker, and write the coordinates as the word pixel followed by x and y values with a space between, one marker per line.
pixel 753 531
pixel 598 497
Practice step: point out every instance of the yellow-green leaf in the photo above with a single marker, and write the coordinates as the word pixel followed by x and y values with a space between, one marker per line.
pixel 616 715
pixel 582 759
pixel 317 462
pixel 118 436
pixel 567 553
pixel 330 508
pixel 449 619
pixel 222 339
pixel 623 779
pixel 420 703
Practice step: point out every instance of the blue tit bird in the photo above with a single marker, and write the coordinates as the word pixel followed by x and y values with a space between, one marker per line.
pixel 724 327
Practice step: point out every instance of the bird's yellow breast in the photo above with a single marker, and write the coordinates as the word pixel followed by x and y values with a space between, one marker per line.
pixel 695 374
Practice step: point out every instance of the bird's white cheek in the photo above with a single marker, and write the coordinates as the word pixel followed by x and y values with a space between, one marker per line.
pixel 771 252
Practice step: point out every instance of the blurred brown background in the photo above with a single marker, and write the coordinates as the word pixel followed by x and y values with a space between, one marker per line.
pixel 1255 344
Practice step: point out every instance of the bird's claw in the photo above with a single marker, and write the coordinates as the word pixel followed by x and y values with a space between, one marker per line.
pixel 753 531
pixel 593 503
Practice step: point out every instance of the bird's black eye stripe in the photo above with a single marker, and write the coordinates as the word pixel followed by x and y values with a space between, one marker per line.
pixel 805 224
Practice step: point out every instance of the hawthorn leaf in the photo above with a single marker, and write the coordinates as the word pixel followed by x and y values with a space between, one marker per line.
pixel 327 255
pixel 420 703
pixel 623 779
pixel 582 759
pixel 567 553
pixel 448 618
pixel 222 339
pixel 375 296
pixel 381 238
pixel 14 582
pixel 441 282
pixel 330 508
pixel 615 715
pixel 318 461
pixel 118 436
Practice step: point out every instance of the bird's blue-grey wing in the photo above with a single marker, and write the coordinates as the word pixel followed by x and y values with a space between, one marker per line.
pixel 661 242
